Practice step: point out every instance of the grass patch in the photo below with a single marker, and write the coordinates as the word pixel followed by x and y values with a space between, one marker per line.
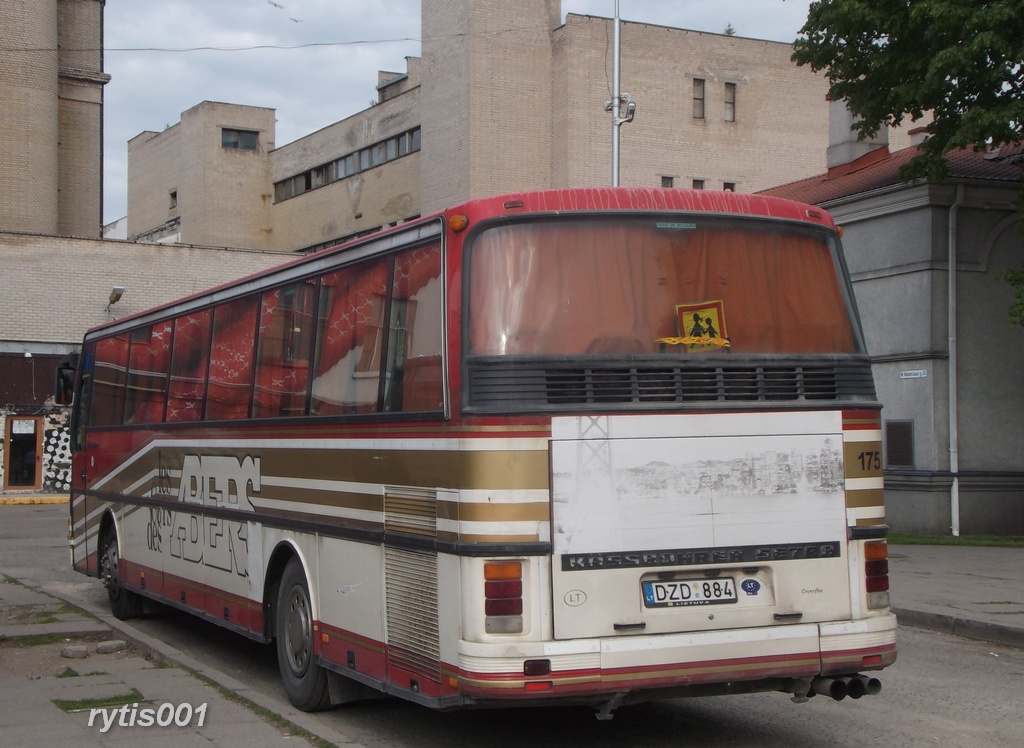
pixel 68 673
pixel 32 640
pixel 81 704
pixel 997 541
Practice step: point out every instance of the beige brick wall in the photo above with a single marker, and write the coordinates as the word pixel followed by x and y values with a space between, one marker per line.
pixel 29 116
pixel 223 195
pixel 56 288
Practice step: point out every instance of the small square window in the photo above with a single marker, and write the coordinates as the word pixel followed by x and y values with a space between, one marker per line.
pixel 242 140
pixel 668 182
pixel 729 186
pixel 698 184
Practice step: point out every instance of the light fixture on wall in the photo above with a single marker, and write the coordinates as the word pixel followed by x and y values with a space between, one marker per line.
pixel 115 295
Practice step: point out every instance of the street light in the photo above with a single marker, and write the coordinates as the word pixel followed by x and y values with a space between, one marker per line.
pixel 618 99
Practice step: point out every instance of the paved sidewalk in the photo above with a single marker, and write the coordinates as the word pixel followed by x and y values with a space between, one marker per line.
pixel 970 591
pixel 45 688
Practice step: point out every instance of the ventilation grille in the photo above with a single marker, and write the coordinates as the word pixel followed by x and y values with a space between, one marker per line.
pixel 411 588
pixel 411 511
pixel 501 384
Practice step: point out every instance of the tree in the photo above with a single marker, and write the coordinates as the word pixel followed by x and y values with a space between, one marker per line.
pixel 729 30
pixel 962 61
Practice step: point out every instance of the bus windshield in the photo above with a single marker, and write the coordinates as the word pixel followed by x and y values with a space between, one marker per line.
pixel 648 285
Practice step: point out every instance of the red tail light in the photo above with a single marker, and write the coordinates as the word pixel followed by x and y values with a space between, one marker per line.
pixel 876 574
pixel 503 597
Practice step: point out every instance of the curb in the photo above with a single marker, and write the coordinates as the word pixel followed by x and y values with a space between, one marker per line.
pixel 33 499
pixel 969 629
pixel 162 652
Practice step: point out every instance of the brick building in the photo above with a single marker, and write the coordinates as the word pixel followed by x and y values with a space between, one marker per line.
pixel 58 274
pixel 504 98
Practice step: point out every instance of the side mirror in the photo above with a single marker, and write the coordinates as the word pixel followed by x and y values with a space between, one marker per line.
pixel 64 386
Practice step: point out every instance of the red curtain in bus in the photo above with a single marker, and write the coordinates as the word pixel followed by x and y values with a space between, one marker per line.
pixel 613 288
pixel 187 390
pixel 285 339
pixel 234 329
pixel 110 374
pixel 147 373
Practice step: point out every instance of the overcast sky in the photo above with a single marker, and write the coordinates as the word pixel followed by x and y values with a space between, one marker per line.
pixel 314 61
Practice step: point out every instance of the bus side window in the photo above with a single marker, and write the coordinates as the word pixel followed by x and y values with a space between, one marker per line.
pixel 110 375
pixel 349 337
pixel 189 361
pixel 147 374
pixel 230 387
pixel 282 361
pixel 413 376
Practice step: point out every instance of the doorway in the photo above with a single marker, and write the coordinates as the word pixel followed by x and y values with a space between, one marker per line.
pixel 23 453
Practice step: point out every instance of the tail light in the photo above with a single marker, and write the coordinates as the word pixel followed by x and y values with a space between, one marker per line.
pixel 503 597
pixel 876 574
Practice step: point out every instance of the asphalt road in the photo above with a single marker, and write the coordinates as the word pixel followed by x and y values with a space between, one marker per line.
pixel 943 691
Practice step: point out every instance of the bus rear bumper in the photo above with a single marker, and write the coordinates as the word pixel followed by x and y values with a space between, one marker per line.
pixel 739 660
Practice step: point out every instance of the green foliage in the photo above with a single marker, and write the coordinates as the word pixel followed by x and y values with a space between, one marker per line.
pixel 959 60
pixel 891 59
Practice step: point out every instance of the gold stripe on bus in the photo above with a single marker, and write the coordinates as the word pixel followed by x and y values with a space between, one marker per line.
pixel 532 512
pixel 473 470
pixel 454 537
pixel 871 521
pixel 867 497
pixel 863 459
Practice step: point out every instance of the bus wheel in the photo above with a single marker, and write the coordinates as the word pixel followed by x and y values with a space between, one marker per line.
pixel 304 680
pixel 124 604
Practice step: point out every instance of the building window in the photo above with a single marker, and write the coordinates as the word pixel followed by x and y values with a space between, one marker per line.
pixel 668 182
pixel 241 140
pixel 730 102
pixel 729 186
pixel 698 184
pixel 698 98
pixel 899 444
pixel 349 164
pixel 174 199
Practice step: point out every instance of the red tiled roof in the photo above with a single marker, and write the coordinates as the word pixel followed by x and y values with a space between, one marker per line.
pixel 1002 165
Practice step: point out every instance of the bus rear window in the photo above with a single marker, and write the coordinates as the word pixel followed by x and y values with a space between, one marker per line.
pixel 680 286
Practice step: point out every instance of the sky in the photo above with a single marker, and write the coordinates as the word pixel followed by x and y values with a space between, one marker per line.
pixel 314 61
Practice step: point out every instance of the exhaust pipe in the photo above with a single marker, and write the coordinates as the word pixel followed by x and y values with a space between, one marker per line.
pixel 872 686
pixel 834 687
pixel 855 687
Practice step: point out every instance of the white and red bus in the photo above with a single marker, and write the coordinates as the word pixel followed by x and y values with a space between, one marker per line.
pixel 590 445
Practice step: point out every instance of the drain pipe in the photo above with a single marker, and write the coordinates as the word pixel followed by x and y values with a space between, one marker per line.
pixel 954 445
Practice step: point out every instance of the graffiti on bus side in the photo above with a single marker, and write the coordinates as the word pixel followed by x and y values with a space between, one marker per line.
pixel 209 480
pixel 214 542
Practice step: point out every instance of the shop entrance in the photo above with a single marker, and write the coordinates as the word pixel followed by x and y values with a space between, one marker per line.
pixel 22 453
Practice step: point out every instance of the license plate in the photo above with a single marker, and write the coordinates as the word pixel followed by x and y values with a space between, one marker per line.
pixel 683 592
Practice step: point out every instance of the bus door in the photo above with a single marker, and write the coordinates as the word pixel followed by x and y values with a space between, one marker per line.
pixel 679 523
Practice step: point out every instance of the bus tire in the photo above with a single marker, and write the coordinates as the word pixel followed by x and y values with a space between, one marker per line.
pixel 124 603
pixel 304 680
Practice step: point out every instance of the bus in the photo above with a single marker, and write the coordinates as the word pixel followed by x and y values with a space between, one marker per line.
pixel 591 446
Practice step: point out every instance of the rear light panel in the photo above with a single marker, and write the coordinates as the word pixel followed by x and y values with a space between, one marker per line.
pixel 876 574
pixel 503 597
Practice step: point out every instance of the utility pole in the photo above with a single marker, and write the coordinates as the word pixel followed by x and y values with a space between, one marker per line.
pixel 618 99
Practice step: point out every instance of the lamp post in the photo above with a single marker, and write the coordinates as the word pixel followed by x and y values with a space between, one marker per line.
pixel 618 99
